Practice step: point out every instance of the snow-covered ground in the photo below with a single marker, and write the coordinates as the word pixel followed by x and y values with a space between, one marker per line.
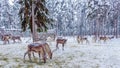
pixel 92 55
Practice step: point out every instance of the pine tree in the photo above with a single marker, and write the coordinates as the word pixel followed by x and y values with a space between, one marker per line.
pixel 40 12
pixel 34 11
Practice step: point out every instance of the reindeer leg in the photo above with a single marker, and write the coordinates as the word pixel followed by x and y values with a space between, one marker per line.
pixel 78 41
pixel 44 57
pixel 63 47
pixel 5 42
pixel 39 56
pixel 14 41
pixel 81 41
pixel 20 40
pixel 43 54
pixel 29 55
pixel 8 42
pixel 86 42
pixel 57 46
pixel 104 40
pixel 33 55
pixel 24 56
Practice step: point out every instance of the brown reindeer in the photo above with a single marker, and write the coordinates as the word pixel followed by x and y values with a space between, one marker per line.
pixel 103 38
pixel 46 49
pixel 38 48
pixel 5 38
pixel 60 41
pixel 82 39
pixel 16 38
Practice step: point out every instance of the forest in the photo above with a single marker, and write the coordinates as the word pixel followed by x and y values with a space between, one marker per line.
pixel 71 17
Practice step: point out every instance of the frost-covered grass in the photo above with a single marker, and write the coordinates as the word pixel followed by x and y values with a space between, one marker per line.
pixel 92 55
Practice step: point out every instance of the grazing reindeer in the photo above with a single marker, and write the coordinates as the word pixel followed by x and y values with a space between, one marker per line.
pixel 82 39
pixel 38 48
pixel 46 49
pixel 5 38
pixel 103 38
pixel 16 38
pixel 60 41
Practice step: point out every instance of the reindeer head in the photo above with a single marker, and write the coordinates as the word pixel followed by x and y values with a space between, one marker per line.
pixel 51 54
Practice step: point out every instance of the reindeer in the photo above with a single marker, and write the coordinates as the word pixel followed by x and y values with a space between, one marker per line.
pixel 38 48
pixel 15 38
pixel 82 39
pixel 103 38
pixel 5 38
pixel 45 50
pixel 60 41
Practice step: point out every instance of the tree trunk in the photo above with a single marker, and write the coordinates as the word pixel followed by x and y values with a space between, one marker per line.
pixel 33 24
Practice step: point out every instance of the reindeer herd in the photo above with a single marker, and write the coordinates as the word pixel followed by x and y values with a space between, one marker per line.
pixel 81 39
pixel 7 37
pixel 44 50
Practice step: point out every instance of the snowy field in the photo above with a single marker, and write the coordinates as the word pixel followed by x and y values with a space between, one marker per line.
pixel 92 55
